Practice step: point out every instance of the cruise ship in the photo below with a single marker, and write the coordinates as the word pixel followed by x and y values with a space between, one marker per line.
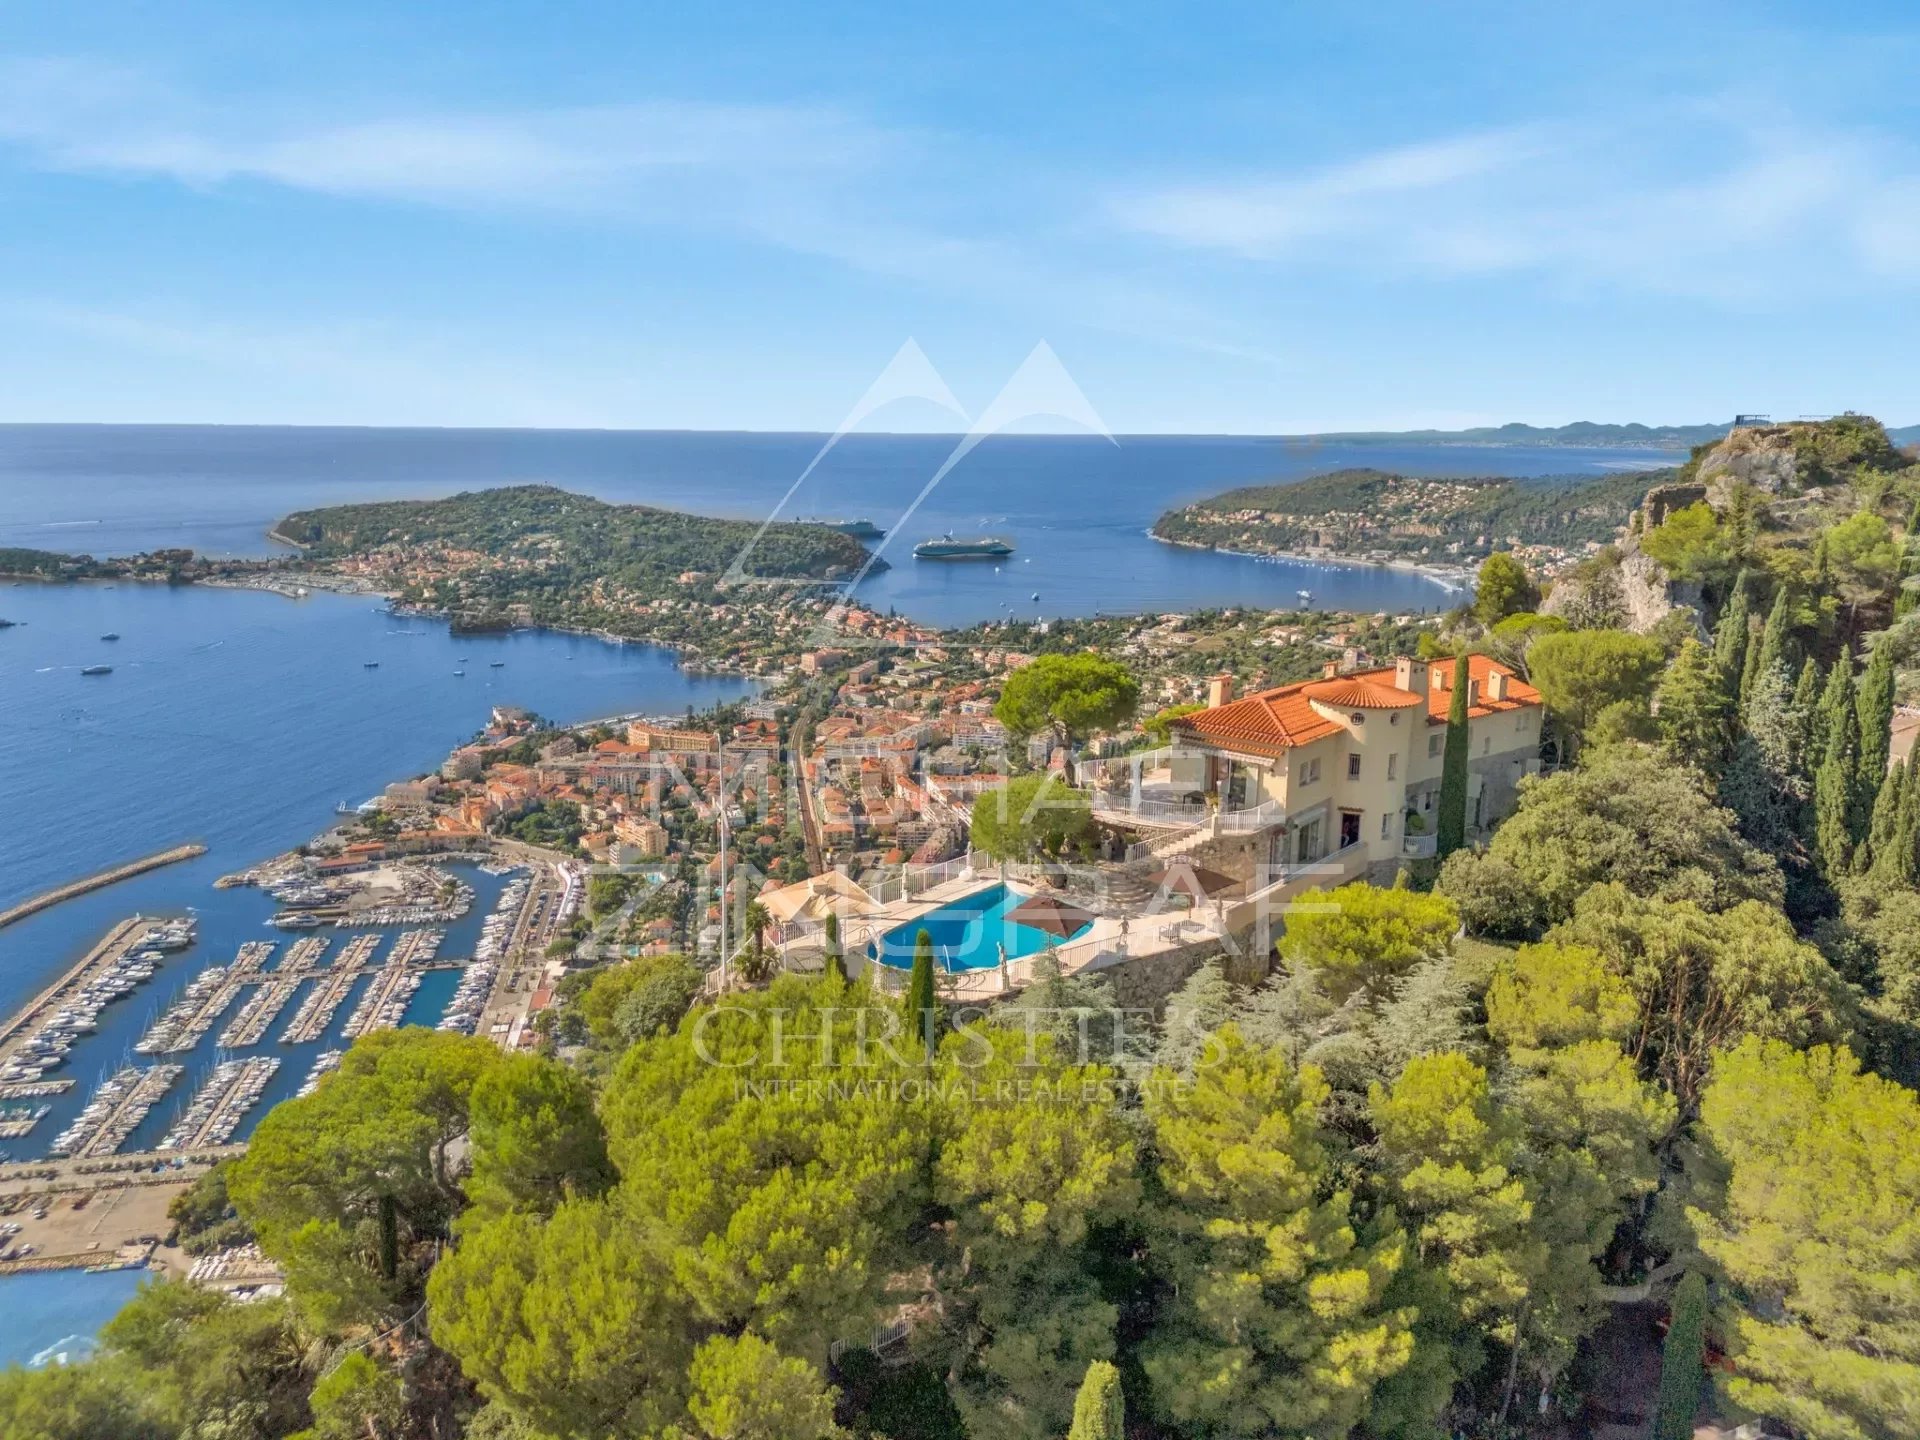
pixel 987 547
pixel 860 529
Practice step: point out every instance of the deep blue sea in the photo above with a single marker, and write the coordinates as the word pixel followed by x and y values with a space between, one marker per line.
pixel 241 719
pixel 1076 507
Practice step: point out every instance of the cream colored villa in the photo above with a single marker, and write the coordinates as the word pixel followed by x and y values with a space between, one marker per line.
pixel 1345 768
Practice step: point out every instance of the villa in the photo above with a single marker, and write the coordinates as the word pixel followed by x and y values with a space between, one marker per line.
pixel 1344 768
pixel 1257 801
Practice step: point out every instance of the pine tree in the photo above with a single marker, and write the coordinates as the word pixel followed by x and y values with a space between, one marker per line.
pixel 1730 637
pixel 1907 596
pixel 1451 820
pixel 1099 1410
pixel 1681 1360
pixel 1833 783
pixel 923 1010
pixel 1691 708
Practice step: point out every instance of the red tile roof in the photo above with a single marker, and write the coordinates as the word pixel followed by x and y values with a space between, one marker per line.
pixel 1279 719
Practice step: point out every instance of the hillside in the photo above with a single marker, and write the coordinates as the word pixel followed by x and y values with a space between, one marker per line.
pixel 1554 521
pixel 553 531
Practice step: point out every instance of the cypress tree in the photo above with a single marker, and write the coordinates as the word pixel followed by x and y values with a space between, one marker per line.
pixel 1905 597
pixel 1691 708
pixel 1450 823
pixel 1730 637
pixel 1873 706
pixel 1806 717
pixel 1881 858
pixel 1776 639
pixel 1681 1360
pixel 1099 1410
pixel 1833 783
pixel 923 1007
pixel 836 965
pixel 1751 672
pixel 1903 854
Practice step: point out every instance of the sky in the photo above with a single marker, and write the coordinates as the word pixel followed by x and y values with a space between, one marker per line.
pixel 1267 218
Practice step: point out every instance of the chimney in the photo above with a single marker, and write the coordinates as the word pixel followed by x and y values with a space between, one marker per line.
pixel 1410 675
pixel 1497 685
pixel 1219 689
pixel 1330 669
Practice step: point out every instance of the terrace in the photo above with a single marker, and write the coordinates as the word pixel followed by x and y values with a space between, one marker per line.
pixel 1133 914
pixel 1179 786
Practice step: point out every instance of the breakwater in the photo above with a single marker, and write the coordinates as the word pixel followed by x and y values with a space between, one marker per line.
pixel 98 881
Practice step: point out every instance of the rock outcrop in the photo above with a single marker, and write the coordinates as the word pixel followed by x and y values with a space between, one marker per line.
pixel 1765 457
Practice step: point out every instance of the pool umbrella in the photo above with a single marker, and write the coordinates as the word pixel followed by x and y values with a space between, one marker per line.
pixel 1193 880
pixel 1054 916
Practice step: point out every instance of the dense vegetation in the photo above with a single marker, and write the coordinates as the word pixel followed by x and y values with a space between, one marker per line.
pixel 1653 1042
pixel 576 538
pixel 1372 511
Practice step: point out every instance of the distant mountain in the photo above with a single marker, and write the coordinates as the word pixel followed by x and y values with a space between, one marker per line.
pixel 1580 432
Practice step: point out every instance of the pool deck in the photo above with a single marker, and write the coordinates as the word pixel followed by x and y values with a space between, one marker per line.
pixel 1119 933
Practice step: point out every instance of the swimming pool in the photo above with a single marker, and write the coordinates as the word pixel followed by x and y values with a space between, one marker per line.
pixel 968 933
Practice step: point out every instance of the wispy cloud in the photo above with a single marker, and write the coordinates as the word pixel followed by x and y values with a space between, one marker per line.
pixel 1272 215
pixel 82 117
pixel 1704 202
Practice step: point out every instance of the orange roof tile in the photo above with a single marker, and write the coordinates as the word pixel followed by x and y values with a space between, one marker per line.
pixel 1279 719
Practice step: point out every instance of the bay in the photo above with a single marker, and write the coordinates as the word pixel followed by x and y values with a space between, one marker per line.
pixel 1076 507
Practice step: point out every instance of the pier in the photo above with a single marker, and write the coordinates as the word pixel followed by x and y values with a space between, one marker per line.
pixel 222 1103
pixel 104 878
pixel 36 1037
pixel 115 1112
pixel 206 999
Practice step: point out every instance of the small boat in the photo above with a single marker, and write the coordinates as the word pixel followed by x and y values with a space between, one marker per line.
pixel 110 635
pixel 458 673
pixel 496 664
pixel 370 665
pixel 1306 596
pixel 96 669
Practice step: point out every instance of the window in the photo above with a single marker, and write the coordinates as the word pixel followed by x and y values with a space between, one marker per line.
pixel 1353 767
pixel 1385 821
pixel 1393 766
pixel 1309 771
pixel 1433 745
pixel 1486 746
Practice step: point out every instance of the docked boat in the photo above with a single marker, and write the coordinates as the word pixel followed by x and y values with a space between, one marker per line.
pixel 96 669
pixel 985 547
pixel 295 920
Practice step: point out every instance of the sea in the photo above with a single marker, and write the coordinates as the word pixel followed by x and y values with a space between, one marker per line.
pixel 242 720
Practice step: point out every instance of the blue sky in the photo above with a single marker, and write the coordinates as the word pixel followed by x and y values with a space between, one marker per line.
pixel 1264 218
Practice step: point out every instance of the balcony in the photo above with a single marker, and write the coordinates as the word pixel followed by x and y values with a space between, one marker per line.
pixel 1419 847
pixel 1169 789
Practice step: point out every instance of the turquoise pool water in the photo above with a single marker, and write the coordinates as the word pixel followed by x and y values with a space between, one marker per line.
pixel 968 933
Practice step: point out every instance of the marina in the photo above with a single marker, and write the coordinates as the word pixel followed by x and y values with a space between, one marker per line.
pixel 384 1005
pixel 325 1065
pixel 205 1000
pixel 115 1112
pixel 317 1010
pixel 40 1038
pixel 219 1106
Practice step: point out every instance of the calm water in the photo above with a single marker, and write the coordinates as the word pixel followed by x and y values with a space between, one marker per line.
pixel 1076 507
pixel 240 720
